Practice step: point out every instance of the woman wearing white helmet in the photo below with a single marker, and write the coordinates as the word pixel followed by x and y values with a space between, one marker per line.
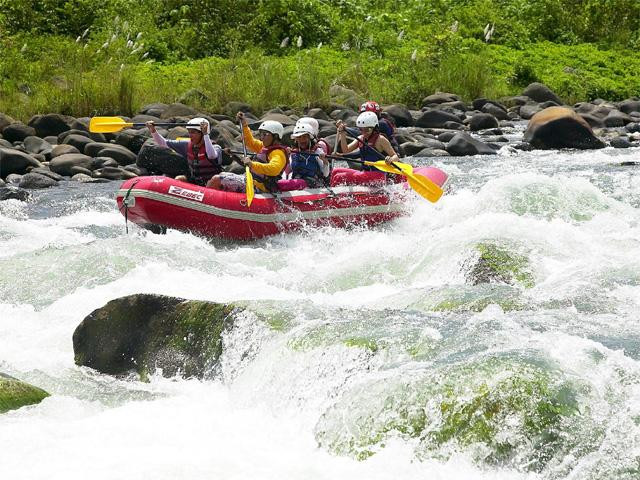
pixel 309 166
pixel 373 147
pixel 266 167
pixel 204 158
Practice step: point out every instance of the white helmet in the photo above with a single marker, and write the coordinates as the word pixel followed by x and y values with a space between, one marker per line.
pixel 315 126
pixel 367 119
pixel 272 127
pixel 302 129
pixel 194 124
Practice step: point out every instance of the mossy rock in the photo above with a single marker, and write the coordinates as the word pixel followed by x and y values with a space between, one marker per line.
pixel 145 333
pixel 15 394
pixel 500 264
pixel 506 410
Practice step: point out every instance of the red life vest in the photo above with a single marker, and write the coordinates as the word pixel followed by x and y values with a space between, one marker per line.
pixel 201 167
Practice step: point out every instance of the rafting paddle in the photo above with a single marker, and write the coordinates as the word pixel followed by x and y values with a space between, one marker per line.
pixel 249 189
pixel 115 124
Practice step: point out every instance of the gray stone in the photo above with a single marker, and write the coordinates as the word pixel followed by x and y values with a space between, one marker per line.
pixel 463 144
pixel 433 118
pixel 63 163
pixel 541 93
pixel 35 181
pixel 17 132
pixel 15 161
pixel 400 115
pixel 482 121
pixel 50 124
pixel 58 150
pixel 143 333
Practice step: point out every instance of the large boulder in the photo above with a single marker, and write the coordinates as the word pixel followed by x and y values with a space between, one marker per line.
pixel 62 165
pixel 439 97
pixel 400 115
pixel 15 161
pixel 9 192
pixel 345 96
pixel 162 160
pixel 464 144
pixel 482 121
pixel 15 393
pixel 560 127
pixel 120 154
pixel 17 132
pixel 50 124
pixel 37 145
pixel 145 333
pixel 78 141
pixel 541 93
pixel 434 118
pixel 131 140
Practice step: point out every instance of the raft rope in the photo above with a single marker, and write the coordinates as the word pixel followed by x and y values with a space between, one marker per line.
pixel 125 207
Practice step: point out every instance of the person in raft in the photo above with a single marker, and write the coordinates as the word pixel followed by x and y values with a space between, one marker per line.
pixel 308 166
pixel 385 124
pixel 204 158
pixel 373 147
pixel 266 167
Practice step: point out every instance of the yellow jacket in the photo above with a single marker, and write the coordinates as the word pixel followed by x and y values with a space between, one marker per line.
pixel 277 160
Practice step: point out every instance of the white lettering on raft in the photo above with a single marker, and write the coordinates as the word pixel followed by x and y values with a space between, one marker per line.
pixel 183 192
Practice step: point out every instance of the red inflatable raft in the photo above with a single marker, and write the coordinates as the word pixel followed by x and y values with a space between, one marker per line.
pixel 162 202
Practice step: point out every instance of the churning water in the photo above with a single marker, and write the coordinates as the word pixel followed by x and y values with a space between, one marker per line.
pixel 379 358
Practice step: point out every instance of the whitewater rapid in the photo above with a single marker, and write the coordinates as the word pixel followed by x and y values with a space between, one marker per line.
pixel 362 351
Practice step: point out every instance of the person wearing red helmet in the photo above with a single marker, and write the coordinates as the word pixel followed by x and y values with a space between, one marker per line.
pixel 385 124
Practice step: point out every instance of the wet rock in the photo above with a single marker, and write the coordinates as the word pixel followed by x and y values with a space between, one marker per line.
pixel 434 118
pixel 592 120
pixel 17 132
pixel 464 144
pixel 496 110
pixel 615 118
pixel 632 127
pixel 143 333
pixel 482 121
pixel 10 192
pixel 113 173
pixel 96 137
pixel 13 179
pixel 36 180
pixel 47 173
pixel 78 141
pixel 317 113
pixel 15 161
pixel 94 149
pixel 119 154
pixel 541 93
pixel 37 145
pixel 492 263
pixel 231 108
pixel 82 178
pixel 63 149
pixel 76 170
pixel 629 106
pixel 15 393
pixel 621 142
pixel 560 127
pixel 529 110
pixel 99 162
pixel 62 164
pixel 162 160
pixel 50 124
pixel 400 114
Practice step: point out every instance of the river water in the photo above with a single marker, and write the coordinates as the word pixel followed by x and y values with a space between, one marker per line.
pixel 378 358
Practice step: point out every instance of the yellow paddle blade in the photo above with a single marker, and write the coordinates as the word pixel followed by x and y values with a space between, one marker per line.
pixel 249 187
pixel 419 183
pixel 107 124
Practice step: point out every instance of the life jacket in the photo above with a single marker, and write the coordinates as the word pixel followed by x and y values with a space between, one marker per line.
pixel 305 165
pixel 388 129
pixel 368 152
pixel 201 168
pixel 270 182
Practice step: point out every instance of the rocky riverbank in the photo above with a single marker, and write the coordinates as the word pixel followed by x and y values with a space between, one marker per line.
pixel 53 147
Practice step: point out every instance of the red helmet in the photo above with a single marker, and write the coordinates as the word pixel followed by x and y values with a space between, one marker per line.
pixel 370 106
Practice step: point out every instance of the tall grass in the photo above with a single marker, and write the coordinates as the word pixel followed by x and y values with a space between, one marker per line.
pixel 74 79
